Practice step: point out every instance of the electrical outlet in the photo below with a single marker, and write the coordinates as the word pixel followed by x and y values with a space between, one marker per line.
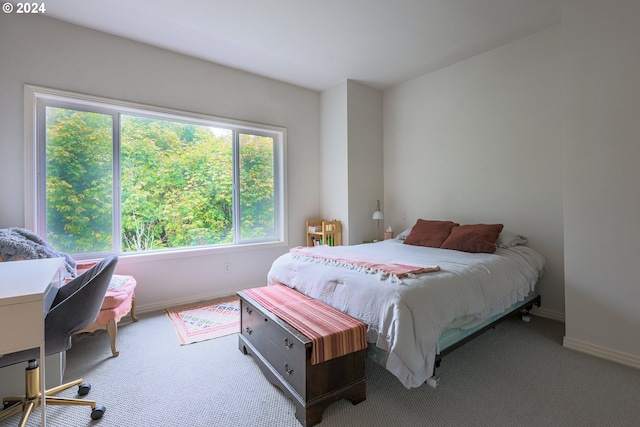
pixel 227 267
pixel 404 215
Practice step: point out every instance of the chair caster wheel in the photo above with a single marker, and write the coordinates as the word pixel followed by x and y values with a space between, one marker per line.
pixel 84 389
pixel 98 412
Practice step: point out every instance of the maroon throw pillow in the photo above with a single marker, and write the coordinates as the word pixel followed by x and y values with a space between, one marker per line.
pixel 430 233
pixel 475 238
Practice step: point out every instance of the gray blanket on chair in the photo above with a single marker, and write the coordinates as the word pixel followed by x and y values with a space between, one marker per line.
pixel 18 243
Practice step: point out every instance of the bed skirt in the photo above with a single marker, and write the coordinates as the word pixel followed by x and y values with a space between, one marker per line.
pixel 460 331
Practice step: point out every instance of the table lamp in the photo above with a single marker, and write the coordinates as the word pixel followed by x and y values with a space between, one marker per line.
pixel 377 215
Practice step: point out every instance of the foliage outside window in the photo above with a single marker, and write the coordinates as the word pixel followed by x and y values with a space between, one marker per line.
pixel 122 179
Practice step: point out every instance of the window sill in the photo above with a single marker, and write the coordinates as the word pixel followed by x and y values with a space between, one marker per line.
pixel 190 252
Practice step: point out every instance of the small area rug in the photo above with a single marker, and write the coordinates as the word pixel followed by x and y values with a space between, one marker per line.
pixel 205 320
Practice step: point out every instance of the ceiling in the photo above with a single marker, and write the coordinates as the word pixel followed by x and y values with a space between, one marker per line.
pixel 318 43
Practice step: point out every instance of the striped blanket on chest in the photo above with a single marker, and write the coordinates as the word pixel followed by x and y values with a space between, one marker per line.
pixel 332 332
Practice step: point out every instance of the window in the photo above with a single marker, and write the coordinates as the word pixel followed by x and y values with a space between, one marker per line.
pixel 115 177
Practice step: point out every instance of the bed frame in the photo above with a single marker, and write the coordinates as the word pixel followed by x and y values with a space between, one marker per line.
pixel 380 356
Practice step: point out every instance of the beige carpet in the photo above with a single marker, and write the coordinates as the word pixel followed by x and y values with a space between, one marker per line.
pixel 517 374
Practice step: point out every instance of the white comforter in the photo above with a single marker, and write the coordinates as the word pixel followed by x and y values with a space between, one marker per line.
pixel 406 318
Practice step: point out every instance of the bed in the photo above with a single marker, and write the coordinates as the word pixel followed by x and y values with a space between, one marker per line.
pixel 413 317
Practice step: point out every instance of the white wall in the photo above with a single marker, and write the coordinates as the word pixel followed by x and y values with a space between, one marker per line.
pixel 480 142
pixel 365 160
pixel 334 160
pixel 46 52
pixel 601 82
pixel 351 178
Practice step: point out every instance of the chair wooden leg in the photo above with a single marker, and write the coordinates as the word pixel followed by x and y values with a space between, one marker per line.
pixel 133 308
pixel 112 329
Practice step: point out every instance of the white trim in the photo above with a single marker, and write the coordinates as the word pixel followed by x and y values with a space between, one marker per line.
pixel 30 168
pixel 548 314
pixel 602 352
pixel 147 308
pixel 158 255
pixel 134 107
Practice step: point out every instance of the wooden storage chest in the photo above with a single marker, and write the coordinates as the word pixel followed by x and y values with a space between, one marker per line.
pixel 284 356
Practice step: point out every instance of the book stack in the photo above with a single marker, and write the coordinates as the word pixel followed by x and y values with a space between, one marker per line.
pixel 315 228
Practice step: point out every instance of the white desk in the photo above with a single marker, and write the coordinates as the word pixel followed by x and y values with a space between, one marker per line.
pixel 26 293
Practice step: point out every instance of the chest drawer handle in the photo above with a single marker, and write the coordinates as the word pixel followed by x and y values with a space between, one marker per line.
pixel 249 311
pixel 248 329
pixel 287 369
pixel 288 343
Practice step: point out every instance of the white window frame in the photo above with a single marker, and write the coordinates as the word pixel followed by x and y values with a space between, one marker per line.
pixel 35 174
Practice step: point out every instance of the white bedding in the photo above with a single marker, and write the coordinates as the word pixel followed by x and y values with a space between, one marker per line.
pixel 406 319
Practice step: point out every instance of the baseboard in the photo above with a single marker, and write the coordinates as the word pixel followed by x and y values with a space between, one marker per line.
pixel 602 352
pixel 548 314
pixel 177 302
pixel 161 305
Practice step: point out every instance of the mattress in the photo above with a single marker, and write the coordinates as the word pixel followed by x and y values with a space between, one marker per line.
pixel 406 317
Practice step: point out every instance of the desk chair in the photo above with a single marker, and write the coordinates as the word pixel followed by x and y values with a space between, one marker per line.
pixel 75 307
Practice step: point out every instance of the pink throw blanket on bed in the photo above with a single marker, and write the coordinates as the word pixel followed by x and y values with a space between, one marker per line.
pixel 338 256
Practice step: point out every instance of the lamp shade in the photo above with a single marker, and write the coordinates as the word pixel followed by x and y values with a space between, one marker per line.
pixel 377 214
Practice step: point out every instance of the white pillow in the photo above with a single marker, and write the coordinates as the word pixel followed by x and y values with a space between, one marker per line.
pixel 507 239
pixel 404 234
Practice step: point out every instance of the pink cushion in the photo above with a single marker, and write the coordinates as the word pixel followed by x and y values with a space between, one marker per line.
pixel 117 302
pixel 120 289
